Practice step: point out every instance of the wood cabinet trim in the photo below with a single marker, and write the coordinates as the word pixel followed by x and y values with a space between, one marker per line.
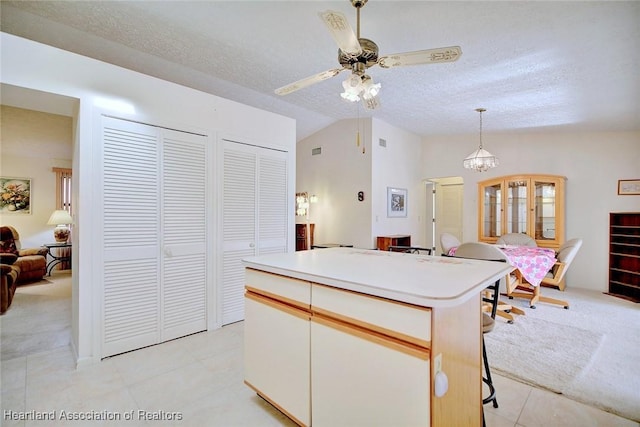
pixel 365 326
pixel 278 305
pixel 373 336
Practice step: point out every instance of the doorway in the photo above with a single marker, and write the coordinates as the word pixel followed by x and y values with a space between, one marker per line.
pixel 445 207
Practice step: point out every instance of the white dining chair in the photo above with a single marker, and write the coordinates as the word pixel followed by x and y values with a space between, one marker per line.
pixel 447 242
pixel 517 239
pixel 555 277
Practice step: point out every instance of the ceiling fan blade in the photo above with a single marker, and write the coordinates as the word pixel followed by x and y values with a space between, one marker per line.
pixel 285 90
pixel 342 32
pixel 429 56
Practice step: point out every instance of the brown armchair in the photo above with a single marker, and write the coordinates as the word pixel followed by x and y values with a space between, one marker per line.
pixel 31 262
pixel 8 276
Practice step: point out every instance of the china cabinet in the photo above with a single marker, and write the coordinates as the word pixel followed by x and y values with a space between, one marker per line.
pixel 528 204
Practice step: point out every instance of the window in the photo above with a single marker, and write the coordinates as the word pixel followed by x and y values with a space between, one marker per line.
pixel 63 189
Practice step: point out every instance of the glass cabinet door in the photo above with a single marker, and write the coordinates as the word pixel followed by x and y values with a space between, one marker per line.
pixel 492 210
pixel 544 208
pixel 516 206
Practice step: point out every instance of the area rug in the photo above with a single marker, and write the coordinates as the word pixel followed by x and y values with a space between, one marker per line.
pixel 589 353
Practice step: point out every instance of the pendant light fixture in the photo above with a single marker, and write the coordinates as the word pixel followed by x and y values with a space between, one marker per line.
pixel 480 160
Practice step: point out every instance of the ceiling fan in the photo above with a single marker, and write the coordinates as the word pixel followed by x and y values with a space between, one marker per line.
pixel 359 54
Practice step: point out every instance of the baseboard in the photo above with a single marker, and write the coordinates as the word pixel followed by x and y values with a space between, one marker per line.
pixel 625 297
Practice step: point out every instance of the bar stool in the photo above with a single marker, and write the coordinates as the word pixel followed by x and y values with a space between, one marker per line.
pixel 488 323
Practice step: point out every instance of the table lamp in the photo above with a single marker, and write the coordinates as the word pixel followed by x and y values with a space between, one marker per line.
pixel 60 218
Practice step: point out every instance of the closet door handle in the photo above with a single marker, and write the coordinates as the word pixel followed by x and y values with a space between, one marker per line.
pixel 167 251
pixel 252 245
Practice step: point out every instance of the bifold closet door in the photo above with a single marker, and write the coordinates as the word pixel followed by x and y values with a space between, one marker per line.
pixel 154 255
pixel 254 215
pixel 184 234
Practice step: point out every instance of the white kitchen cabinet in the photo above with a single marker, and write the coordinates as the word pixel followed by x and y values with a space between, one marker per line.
pixel 277 338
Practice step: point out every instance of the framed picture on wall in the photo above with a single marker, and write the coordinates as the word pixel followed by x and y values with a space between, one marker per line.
pixel 15 195
pixel 396 202
pixel 629 187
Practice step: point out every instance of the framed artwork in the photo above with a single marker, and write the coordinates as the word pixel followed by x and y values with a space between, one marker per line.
pixel 396 202
pixel 629 187
pixel 15 195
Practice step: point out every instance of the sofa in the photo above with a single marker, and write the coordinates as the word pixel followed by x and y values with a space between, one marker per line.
pixel 17 265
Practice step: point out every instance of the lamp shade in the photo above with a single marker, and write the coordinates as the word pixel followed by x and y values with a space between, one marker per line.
pixel 59 217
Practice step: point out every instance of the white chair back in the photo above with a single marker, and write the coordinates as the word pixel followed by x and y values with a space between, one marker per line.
pixel 567 253
pixel 479 250
pixel 516 239
pixel 447 242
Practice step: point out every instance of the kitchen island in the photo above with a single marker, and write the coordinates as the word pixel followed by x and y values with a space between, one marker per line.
pixel 357 337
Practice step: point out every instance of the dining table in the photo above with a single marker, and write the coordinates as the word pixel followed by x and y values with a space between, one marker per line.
pixel 533 263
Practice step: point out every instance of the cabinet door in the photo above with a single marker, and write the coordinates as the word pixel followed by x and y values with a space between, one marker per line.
pixel 276 355
pixel 547 214
pixel 516 205
pixel 358 382
pixel 491 213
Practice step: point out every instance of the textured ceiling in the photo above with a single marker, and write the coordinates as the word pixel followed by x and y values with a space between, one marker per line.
pixel 534 65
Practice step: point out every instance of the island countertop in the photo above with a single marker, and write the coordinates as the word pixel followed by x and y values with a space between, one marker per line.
pixel 423 280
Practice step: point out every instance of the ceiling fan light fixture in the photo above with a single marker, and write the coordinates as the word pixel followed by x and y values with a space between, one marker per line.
pixel 352 88
pixel 480 160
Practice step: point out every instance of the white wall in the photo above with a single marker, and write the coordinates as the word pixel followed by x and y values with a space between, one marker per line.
pixel 335 177
pixel 343 170
pixel 397 165
pixel 36 66
pixel 592 163
pixel 32 143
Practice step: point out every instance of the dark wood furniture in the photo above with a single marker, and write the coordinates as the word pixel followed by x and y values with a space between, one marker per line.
pixel 624 255
pixel 383 242
pixel 302 241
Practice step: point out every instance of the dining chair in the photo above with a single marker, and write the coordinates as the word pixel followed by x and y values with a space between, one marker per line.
pixel 485 251
pixel 447 242
pixel 555 277
pixel 517 239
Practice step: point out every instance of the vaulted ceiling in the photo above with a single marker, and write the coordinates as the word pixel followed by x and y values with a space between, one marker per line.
pixel 534 65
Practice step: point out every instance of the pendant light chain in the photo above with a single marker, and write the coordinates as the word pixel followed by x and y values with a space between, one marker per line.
pixel 480 110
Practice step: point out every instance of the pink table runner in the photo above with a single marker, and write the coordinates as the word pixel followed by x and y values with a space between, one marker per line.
pixel 533 263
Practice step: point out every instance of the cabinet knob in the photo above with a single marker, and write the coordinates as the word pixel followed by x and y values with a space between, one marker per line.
pixel 441 384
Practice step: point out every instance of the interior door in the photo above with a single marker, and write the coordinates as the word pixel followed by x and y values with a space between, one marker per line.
pixel 155 197
pixel 131 236
pixel 184 233
pixel 449 197
pixel 254 215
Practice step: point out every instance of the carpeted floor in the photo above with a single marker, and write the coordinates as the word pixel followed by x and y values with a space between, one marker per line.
pixel 39 318
pixel 589 353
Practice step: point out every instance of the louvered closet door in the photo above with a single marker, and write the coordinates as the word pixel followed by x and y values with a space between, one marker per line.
pixel 254 215
pixel 184 234
pixel 155 235
pixel 131 230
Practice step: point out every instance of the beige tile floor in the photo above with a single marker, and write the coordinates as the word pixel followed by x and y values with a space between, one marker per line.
pixel 200 378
